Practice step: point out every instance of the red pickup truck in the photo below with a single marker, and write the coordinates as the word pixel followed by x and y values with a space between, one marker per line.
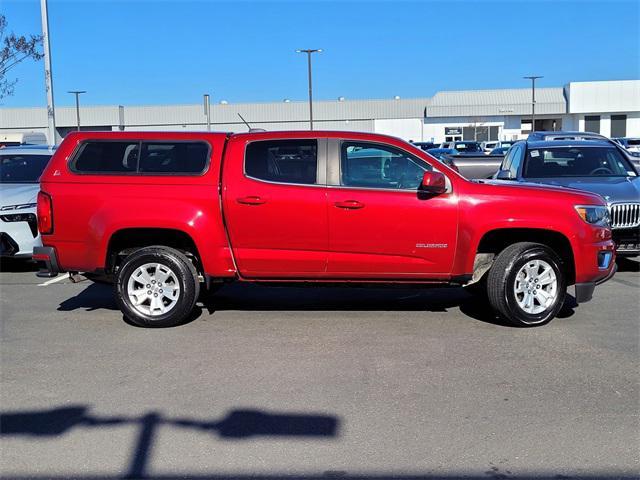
pixel 168 214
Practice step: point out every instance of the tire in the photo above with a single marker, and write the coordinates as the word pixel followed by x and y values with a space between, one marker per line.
pixel 537 273
pixel 158 304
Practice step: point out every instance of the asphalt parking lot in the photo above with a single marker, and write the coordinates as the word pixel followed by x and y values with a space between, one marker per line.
pixel 317 383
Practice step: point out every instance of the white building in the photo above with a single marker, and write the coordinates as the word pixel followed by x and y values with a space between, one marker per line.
pixel 611 108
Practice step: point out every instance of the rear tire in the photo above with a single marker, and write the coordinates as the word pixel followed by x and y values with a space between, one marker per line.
pixel 526 284
pixel 157 287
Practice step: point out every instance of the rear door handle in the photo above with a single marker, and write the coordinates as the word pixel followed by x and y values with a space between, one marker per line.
pixel 349 204
pixel 251 200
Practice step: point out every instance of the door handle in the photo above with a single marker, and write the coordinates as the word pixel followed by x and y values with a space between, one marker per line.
pixel 349 204
pixel 251 200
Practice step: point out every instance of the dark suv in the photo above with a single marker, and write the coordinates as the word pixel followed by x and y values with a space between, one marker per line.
pixel 595 165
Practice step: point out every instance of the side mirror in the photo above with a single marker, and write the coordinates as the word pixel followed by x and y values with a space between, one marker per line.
pixel 504 175
pixel 433 182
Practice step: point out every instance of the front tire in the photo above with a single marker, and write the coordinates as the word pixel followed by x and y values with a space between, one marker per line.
pixel 526 284
pixel 157 287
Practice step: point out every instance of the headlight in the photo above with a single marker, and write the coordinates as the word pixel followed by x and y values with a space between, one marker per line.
pixel 594 214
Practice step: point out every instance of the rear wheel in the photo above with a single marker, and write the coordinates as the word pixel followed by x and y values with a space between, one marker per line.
pixel 157 287
pixel 526 284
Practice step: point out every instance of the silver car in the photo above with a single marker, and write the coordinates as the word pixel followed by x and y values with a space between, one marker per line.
pixel 20 170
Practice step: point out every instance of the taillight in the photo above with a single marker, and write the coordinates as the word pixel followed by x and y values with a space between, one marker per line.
pixel 45 213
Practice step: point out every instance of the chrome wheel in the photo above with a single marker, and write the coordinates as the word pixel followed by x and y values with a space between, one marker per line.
pixel 536 287
pixel 153 289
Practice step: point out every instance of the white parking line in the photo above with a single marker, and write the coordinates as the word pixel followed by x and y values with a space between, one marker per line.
pixel 59 278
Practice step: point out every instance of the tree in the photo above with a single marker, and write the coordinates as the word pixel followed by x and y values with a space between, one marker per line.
pixel 13 50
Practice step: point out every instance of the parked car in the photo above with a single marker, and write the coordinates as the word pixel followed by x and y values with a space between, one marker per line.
pixel 20 170
pixel 425 145
pixel 488 146
pixel 499 151
pixel 505 143
pixel 22 138
pixel 631 145
pixel 444 155
pixel 597 166
pixel 564 135
pixel 464 147
pixel 167 214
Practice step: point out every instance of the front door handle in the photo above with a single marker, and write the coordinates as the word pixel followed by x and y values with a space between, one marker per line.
pixel 251 200
pixel 349 204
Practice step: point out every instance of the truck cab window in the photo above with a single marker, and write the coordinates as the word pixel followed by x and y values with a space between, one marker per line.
pixel 375 166
pixel 283 161
pixel 170 157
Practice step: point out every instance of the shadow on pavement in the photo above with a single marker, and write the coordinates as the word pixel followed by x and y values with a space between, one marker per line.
pixel 17 265
pixel 238 424
pixel 628 265
pixel 253 297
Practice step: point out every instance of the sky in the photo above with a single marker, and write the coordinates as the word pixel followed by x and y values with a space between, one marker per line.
pixel 143 52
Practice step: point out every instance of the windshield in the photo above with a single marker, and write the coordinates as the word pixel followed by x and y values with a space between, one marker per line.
pixel 633 142
pixel 468 147
pixel 20 168
pixel 576 162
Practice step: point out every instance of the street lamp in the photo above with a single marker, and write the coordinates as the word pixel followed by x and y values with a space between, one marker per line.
pixel 533 100
pixel 309 52
pixel 77 93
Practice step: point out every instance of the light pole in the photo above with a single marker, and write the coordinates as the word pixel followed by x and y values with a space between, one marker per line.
pixel 207 110
pixel 48 76
pixel 77 93
pixel 309 52
pixel 533 100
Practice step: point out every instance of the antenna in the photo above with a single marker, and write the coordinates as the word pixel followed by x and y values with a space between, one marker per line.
pixel 244 121
pixel 249 126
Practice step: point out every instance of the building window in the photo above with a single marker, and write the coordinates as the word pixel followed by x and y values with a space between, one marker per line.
pixel 592 123
pixel 618 126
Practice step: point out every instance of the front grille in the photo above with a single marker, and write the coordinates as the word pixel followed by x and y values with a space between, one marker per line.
pixel 625 215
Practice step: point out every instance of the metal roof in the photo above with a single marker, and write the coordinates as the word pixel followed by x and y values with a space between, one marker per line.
pixel 470 103
pixel 222 115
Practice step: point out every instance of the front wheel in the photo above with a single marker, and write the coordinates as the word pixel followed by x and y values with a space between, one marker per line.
pixel 157 287
pixel 526 284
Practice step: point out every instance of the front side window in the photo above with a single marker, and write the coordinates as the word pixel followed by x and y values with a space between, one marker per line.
pixel 518 150
pixel 283 161
pixel 376 166
pixel 576 162
pixel 19 168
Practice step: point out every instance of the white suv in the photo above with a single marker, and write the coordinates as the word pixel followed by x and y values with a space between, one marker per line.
pixel 20 170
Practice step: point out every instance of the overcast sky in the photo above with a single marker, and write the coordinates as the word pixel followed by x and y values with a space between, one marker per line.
pixel 153 52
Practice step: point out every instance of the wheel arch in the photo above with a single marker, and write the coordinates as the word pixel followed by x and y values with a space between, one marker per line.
pixel 127 240
pixel 496 240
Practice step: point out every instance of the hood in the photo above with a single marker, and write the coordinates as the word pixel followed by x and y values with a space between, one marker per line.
pixel 612 189
pixel 18 193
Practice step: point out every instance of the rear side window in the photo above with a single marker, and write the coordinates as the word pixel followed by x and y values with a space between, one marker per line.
pixel 107 157
pixel 141 157
pixel 283 161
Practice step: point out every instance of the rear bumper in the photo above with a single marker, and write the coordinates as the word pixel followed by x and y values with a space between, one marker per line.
pixel 47 260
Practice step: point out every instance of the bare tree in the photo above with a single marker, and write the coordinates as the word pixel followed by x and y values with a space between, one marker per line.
pixel 13 50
